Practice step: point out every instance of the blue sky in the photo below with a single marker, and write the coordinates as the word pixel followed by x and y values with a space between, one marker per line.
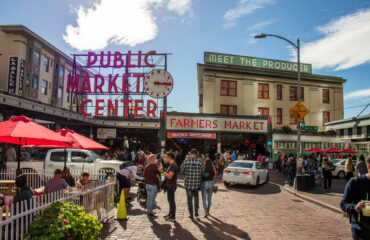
pixel 334 34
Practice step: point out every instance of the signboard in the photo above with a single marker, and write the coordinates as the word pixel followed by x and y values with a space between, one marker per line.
pixel 200 135
pixel 244 61
pixel 215 124
pixel 12 74
pixel 309 128
pixel 21 75
pixel 299 111
pixel 106 133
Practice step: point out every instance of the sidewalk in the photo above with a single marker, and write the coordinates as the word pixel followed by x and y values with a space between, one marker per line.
pixel 328 199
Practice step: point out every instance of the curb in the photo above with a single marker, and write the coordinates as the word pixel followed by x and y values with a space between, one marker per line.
pixel 311 200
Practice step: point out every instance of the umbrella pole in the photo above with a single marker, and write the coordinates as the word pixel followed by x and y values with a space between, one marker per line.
pixel 65 159
pixel 19 155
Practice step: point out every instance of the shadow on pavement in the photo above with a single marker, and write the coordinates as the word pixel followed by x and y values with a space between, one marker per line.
pixel 162 231
pixel 109 227
pixel 264 189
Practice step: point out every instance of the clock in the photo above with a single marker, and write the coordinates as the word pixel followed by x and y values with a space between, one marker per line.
pixel 158 83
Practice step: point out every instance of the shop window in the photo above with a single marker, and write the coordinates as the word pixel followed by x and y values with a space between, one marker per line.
pixel 60 92
pixel 200 100
pixel 228 88
pixel 35 82
pixel 293 120
pixel 349 132
pixel 279 118
pixel 46 64
pixel 279 92
pixel 341 133
pixel 325 96
pixel 325 117
pixel 263 112
pixel 36 58
pixel 228 109
pixel 44 87
pixel 61 72
pixel 293 93
pixel 263 91
pixel 359 131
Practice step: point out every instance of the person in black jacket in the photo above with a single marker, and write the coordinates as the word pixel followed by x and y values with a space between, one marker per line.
pixel 68 177
pixel 356 191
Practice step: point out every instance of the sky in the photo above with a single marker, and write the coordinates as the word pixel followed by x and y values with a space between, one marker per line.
pixel 334 35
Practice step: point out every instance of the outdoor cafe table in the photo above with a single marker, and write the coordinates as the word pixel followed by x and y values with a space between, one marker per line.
pixel 10 184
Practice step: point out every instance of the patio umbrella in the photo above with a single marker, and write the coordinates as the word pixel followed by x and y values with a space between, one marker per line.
pixel 79 141
pixel 23 131
pixel 348 150
pixel 333 150
pixel 316 149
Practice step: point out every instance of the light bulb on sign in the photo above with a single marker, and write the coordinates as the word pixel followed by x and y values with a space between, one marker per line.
pixel 158 83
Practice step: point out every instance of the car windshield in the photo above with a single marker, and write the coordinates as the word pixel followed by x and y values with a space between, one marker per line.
pixel 241 165
pixel 96 156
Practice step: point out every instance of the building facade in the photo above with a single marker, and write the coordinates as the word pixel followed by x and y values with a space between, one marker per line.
pixel 238 85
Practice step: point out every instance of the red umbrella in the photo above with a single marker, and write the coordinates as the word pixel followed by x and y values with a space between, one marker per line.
pixel 348 150
pixel 316 149
pixel 23 131
pixel 79 141
pixel 333 150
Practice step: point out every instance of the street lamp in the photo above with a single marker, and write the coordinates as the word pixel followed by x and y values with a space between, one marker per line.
pixel 296 47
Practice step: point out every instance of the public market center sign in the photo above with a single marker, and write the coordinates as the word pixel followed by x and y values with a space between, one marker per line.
pixel 244 61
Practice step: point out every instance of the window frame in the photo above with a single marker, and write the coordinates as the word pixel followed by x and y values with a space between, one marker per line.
pixel 262 111
pixel 38 58
pixel 228 109
pixel 37 83
pixel 324 100
pixel 44 89
pixel 359 135
pixel 290 120
pixel 200 100
pixel 279 92
pixel 61 90
pixel 279 117
pixel 59 71
pixel 263 91
pixel 228 83
pixel 296 93
pixel 45 67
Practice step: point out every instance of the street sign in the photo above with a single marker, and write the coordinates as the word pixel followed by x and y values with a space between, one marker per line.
pixel 299 111
pixel 302 123
pixel 310 128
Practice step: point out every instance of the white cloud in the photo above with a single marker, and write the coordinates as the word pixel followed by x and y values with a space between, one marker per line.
pixel 346 43
pixel 244 7
pixel 261 25
pixel 181 7
pixel 357 94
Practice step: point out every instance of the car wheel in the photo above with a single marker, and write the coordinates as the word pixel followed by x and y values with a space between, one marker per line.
pixel 257 182
pixel 267 178
pixel 226 184
pixel 341 175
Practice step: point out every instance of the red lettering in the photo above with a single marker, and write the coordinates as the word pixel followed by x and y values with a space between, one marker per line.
pixel 137 108
pixel 235 125
pixel 139 59
pixel 73 83
pixel 215 125
pixel 247 125
pixel 201 123
pixel 186 122
pixel 149 110
pixel 125 85
pixel 138 76
pixel 178 123
pixel 194 123
pixel 146 59
pixel 171 121
pixel 255 125
pixel 91 59
pixel 98 108
pixel 102 60
pixel 98 86
pixel 82 107
pixel 118 61
pixel 112 108
pixel 128 60
pixel 112 83
pixel 86 87
pixel 261 125
pixel 208 124
pixel 125 106
pixel 227 124
pixel 242 125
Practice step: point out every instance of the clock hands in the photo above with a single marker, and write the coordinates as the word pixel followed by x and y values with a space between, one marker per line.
pixel 163 83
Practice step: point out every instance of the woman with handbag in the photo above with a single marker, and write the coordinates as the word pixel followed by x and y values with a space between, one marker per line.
pixel 207 185
pixel 152 175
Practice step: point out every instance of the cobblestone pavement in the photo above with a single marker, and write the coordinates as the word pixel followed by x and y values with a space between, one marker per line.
pixel 237 212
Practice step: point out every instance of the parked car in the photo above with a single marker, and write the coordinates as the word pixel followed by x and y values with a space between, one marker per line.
pixel 339 165
pixel 245 172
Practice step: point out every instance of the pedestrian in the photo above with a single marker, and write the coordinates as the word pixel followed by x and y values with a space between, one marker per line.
pixel 361 166
pixel 207 185
pixel 192 170
pixel 353 203
pixel 171 186
pixel 68 177
pixel 11 154
pixel 124 176
pixel 292 170
pixel 349 169
pixel 25 156
pixel 152 173
pixel 326 173
pixel 56 183
pixel 85 179
pixel 221 165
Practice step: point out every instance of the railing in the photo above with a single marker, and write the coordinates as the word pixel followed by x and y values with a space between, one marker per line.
pixel 97 198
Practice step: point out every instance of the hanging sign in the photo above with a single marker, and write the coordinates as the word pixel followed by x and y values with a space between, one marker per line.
pixel 12 74
pixel 21 76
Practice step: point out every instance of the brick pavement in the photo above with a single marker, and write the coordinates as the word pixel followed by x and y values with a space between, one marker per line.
pixel 237 212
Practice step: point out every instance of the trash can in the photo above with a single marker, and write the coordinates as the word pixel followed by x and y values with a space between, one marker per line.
pixel 312 179
pixel 303 182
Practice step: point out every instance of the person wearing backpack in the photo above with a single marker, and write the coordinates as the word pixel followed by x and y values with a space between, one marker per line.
pixel 356 192
pixel 207 185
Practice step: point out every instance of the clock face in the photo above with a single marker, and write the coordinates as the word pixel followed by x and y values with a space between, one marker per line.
pixel 158 83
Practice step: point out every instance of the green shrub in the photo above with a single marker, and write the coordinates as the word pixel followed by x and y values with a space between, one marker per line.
pixel 64 221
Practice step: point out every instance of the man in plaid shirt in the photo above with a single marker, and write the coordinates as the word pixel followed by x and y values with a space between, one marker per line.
pixel 192 170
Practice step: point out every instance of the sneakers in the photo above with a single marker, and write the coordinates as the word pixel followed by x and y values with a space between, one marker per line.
pixel 170 219
pixel 191 216
pixel 206 214
pixel 196 215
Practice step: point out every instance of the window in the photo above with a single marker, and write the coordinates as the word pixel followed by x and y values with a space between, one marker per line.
pixel 293 120
pixel 349 132
pixel 46 64
pixel 325 96
pixel 341 133
pixel 35 82
pixel 228 88
pixel 279 92
pixel 57 156
pixel 228 109
pixel 241 165
pixel 79 157
pixel 200 100
pixel 67 96
pixel 293 93
pixel 263 91
pixel 44 87
pixel 263 112
pixel 368 131
pixel 36 58
pixel 60 92
pixel 359 131
pixel 61 71
pixel 279 118
pixel 326 117
pixel 69 72
pixel 73 98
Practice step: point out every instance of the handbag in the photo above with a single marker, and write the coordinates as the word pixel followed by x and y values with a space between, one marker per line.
pixel 163 185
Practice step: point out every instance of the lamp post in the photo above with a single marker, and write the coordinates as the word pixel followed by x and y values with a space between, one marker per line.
pixel 296 46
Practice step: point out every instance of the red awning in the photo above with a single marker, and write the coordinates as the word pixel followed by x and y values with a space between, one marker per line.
pixel 315 150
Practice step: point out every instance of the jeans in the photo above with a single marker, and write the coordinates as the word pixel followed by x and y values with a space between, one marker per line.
pixel 190 195
pixel 171 201
pixel 207 191
pixel 327 180
pixel 152 191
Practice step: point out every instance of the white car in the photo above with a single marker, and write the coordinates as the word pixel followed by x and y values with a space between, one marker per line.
pixel 245 172
pixel 339 170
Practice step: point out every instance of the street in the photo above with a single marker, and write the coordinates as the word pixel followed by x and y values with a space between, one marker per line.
pixel 237 212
